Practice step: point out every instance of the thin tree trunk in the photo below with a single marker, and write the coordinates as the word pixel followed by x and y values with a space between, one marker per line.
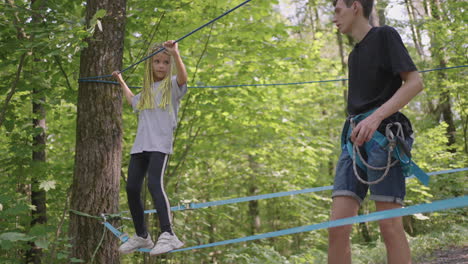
pixel 38 195
pixel 381 5
pixel 95 187
pixel 20 35
pixel 310 15
pixel 438 54
pixel 374 17
pixel 414 33
pixel 254 211
pixel 363 227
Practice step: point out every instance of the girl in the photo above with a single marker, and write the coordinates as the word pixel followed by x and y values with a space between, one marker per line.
pixel 165 83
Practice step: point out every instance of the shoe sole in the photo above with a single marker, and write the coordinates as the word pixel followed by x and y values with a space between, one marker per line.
pixel 177 247
pixel 133 250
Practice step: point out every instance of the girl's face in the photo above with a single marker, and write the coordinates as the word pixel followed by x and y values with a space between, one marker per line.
pixel 161 63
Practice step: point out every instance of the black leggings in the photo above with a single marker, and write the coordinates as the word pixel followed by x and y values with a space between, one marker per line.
pixel 155 164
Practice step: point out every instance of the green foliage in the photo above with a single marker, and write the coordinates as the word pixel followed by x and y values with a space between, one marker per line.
pixel 230 142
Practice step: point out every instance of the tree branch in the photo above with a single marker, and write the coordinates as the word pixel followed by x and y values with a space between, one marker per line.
pixel 13 89
pixel 57 60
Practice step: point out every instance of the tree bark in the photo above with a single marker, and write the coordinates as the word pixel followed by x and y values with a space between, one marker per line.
pixel 374 16
pixel 254 210
pixel 438 54
pixel 20 34
pixel 414 30
pixel 38 195
pixel 381 5
pixel 95 187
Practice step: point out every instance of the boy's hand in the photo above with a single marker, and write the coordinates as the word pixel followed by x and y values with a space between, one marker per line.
pixel 364 131
pixel 172 47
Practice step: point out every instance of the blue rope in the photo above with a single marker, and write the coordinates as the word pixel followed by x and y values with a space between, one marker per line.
pixel 268 84
pixel 410 210
pixel 123 237
pixel 274 195
pixel 307 82
pixel 444 68
pixel 186 35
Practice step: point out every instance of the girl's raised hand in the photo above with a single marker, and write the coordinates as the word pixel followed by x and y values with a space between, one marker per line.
pixel 117 74
pixel 171 46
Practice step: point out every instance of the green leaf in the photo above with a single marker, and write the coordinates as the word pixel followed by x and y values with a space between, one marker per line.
pixel 47 185
pixel 100 13
pixel 42 242
pixel 75 260
pixel 15 236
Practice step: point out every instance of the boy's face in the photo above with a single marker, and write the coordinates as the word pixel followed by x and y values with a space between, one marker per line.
pixel 344 16
pixel 161 63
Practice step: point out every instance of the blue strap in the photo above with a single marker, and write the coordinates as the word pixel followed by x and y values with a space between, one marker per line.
pixel 277 194
pixel 124 237
pixel 245 199
pixel 415 171
pixel 410 210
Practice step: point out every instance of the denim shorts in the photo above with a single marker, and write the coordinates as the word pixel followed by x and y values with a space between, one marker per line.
pixel 391 189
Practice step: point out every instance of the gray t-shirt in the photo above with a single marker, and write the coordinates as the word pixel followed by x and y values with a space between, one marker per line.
pixel 156 126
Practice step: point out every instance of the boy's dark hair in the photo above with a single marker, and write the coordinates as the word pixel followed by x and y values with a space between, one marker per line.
pixel 366 5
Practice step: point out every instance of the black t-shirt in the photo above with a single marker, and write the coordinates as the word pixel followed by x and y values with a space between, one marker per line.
pixel 374 67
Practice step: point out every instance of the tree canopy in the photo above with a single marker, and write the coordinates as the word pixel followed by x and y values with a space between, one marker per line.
pixel 230 142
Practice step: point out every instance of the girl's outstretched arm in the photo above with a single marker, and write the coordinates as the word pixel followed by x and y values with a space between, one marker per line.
pixel 173 48
pixel 127 92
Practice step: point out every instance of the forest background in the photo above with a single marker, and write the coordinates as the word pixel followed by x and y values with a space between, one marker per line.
pixel 230 142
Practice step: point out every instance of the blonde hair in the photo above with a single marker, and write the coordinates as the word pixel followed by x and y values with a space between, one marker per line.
pixel 147 97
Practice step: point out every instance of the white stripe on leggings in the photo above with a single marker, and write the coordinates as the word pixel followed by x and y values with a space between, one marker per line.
pixel 164 192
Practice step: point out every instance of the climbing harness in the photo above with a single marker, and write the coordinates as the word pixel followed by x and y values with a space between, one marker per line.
pixel 396 146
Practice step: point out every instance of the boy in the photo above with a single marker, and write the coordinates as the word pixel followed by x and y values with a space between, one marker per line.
pixel 377 66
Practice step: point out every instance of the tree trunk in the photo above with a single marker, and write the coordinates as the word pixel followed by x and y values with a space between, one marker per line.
pixel 95 187
pixel 374 17
pixel 254 211
pixel 363 227
pixel 38 196
pixel 381 5
pixel 414 30
pixel 438 54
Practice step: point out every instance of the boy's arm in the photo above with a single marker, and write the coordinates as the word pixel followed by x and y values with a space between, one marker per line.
pixel 173 48
pixel 127 92
pixel 412 85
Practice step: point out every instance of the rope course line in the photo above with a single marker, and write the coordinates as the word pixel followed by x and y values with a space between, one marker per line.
pixel 415 209
pixel 181 38
pixel 277 194
pixel 375 216
pixel 435 206
pixel 268 84
pixel 410 210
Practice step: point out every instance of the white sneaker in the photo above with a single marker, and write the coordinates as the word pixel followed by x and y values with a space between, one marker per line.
pixel 135 243
pixel 166 242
